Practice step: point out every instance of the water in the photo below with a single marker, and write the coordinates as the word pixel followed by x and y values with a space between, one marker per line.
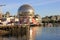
pixel 40 33
pixel 48 33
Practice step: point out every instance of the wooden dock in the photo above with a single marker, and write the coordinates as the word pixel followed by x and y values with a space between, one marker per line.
pixel 19 31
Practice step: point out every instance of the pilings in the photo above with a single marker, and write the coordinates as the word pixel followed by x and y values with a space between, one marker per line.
pixel 21 32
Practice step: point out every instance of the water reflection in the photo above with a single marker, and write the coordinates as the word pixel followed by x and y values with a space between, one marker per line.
pixel 48 33
pixel 34 31
pixel 39 33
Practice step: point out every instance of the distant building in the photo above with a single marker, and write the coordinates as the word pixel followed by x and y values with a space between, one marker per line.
pixel 38 18
pixel 53 18
pixel 58 17
pixel 7 14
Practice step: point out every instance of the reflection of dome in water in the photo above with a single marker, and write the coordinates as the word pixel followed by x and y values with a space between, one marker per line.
pixel 26 9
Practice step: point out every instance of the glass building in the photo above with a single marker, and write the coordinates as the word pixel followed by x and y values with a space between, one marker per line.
pixel 26 10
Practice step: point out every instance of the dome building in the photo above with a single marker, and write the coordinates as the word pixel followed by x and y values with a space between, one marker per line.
pixel 26 10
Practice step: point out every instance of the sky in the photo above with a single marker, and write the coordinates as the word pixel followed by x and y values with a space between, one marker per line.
pixel 41 7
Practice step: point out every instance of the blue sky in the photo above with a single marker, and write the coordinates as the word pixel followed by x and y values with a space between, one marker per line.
pixel 42 7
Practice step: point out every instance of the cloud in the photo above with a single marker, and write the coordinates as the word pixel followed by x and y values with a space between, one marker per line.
pixel 45 2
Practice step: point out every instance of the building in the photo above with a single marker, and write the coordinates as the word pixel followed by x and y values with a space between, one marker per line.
pixel 25 11
pixel 6 15
pixel 38 18
pixel 58 17
pixel 28 11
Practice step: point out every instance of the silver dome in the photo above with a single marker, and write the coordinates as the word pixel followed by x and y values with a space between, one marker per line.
pixel 26 9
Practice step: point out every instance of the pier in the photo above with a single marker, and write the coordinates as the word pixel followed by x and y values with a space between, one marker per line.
pixel 21 32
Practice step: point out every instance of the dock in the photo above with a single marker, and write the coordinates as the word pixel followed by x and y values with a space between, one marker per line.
pixel 18 31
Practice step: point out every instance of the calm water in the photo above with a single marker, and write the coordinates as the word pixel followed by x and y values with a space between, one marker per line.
pixel 40 33
pixel 48 33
